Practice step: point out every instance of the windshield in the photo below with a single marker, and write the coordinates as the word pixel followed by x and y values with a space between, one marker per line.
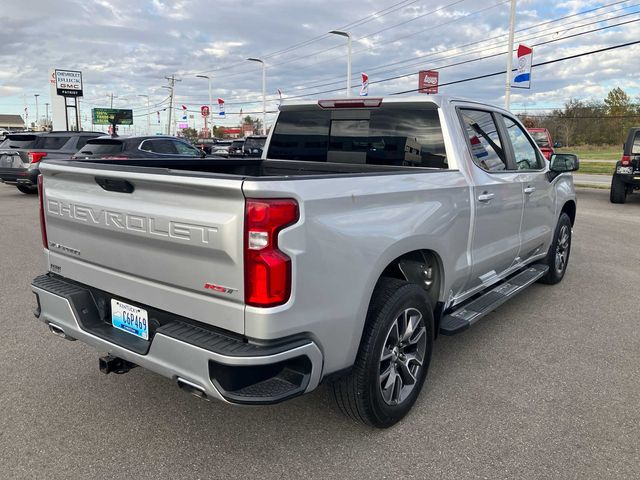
pixel 398 134
pixel 541 138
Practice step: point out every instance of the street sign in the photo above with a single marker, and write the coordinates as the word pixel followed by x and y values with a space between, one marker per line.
pixel 68 83
pixel 110 116
pixel 428 81
pixel 204 110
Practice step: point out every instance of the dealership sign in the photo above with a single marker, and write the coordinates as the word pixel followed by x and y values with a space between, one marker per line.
pixel 428 81
pixel 204 110
pixel 68 83
pixel 109 116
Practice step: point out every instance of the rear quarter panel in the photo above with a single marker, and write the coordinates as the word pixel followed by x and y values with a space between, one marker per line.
pixel 350 229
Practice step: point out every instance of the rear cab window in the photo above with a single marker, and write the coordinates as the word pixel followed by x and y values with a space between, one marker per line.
pixel 393 134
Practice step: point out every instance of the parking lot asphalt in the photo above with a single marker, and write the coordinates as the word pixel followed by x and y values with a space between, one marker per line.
pixel 547 386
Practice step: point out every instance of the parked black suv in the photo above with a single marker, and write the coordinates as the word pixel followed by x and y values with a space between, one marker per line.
pixel 20 154
pixel 626 178
pixel 123 148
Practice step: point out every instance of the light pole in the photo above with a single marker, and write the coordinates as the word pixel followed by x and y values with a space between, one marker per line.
pixel 148 114
pixel 37 112
pixel 512 24
pixel 210 106
pixel 348 35
pixel 264 93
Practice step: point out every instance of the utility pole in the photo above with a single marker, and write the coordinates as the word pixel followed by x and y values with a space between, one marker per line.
pixel 172 82
pixel 37 111
pixel 264 92
pixel 111 103
pixel 148 115
pixel 512 24
pixel 47 116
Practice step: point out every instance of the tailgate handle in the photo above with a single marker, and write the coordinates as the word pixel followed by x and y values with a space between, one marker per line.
pixel 115 185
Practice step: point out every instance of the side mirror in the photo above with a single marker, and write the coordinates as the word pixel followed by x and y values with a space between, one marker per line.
pixel 564 162
pixel 557 145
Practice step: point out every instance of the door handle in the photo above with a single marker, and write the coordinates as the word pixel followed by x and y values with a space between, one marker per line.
pixel 485 197
pixel 529 190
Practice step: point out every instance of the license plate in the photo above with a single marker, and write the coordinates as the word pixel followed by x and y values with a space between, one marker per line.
pixel 129 318
pixel 625 170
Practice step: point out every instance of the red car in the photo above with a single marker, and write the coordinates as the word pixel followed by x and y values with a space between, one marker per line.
pixel 542 137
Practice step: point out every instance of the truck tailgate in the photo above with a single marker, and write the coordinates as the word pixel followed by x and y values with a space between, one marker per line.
pixel 174 243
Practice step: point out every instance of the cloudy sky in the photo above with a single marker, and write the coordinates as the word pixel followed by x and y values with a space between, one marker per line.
pixel 128 47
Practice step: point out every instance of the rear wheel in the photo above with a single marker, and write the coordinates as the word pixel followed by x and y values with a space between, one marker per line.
pixel 27 189
pixel 393 357
pixel 618 192
pixel 558 257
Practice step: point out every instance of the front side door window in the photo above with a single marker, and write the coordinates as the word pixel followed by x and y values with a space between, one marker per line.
pixel 525 155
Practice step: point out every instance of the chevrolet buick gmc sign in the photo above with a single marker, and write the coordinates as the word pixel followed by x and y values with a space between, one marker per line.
pixel 68 83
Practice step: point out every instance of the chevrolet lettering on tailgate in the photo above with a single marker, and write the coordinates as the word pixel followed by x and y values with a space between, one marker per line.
pixel 134 223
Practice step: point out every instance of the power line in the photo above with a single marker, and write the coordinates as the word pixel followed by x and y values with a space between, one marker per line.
pixel 466 53
pixel 540 64
pixel 456 64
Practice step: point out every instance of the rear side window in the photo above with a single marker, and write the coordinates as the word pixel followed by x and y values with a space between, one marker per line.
pixel 102 147
pixel 486 149
pixel 162 146
pixel 390 135
pixel 51 143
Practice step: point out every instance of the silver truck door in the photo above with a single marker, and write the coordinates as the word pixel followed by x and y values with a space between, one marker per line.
pixel 498 199
pixel 538 220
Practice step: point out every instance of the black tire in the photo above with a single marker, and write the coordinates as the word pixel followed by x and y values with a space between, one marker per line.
pixel 618 192
pixel 558 247
pixel 360 393
pixel 27 189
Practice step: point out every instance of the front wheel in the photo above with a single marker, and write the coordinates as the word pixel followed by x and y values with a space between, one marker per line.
pixel 558 257
pixel 393 358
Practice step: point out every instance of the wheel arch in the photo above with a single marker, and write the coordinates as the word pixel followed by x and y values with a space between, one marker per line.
pixel 569 208
pixel 423 267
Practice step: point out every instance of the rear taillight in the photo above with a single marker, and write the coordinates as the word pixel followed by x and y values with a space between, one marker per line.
pixel 267 269
pixel 625 161
pixel 35 157
pixel 43 225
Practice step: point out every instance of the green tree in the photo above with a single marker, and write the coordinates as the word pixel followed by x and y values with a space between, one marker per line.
pixel 190 134
pixel 618 109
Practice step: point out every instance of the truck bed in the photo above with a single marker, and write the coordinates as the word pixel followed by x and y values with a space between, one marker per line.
pixel 247 168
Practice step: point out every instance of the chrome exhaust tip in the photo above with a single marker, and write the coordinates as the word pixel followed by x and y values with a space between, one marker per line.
pixel 192 388
pixel 59 332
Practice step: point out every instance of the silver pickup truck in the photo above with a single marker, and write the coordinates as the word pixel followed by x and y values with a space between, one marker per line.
pixel 368 227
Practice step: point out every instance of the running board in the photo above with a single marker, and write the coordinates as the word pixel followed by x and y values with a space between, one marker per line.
pixel 465 316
